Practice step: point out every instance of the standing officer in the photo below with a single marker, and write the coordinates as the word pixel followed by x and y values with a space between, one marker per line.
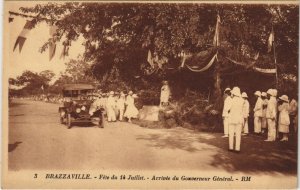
pixel 271 115
pixel 235 119
pixel 257 113
pixel 227 99
pixel 264 111
pixel 245 113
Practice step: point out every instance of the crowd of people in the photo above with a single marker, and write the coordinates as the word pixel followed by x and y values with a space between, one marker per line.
pixel 277 117
pixel 117 105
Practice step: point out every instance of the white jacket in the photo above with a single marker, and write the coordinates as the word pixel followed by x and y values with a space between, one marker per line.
pixel 284 118
pixel 246 109
pixel 227 104
pixel 165 93
pixel 271 108
pixel 258 109
pixel 235 111
pixel 111 102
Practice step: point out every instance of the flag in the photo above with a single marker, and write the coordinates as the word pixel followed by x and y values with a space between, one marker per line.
pixel 65 49
pixel 150 59
pixel 216 41
pixel 23 35
pixel 10 19
pixel 271 40
pixel 256 56
pixel 52 45
pixel 42 87
pixel 183 60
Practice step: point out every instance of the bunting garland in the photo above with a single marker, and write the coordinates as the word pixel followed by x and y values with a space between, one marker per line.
pixel 65 51
pixel 52 44
pixel 150 58
pixel 206 67
pixel 266 71
pixel 216 41
pixel 271 40
pixel 23 35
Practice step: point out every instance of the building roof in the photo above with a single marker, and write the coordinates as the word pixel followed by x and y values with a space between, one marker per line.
pixel 78 86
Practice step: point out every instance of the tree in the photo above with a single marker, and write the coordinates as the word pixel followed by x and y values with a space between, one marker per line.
pixel 118 36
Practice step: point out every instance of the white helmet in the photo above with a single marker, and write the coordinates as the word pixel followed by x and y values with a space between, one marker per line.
pixel 257 93
pixel 236 91
pixel 244 95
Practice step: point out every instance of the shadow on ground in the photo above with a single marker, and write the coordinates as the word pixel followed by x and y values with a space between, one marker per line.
pixel 15 104
pixel 256 155
pixel 12 147
pixel 84 124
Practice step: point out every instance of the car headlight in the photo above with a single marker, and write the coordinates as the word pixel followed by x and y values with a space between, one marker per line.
pixel 83 108
pixel 78 110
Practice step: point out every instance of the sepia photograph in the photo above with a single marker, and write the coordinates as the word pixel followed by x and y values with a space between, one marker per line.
pixel 141 94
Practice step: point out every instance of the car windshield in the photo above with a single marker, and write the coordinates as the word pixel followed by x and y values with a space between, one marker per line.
pixel 80 94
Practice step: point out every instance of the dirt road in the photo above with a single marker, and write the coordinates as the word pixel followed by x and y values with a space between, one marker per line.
pixel 37 141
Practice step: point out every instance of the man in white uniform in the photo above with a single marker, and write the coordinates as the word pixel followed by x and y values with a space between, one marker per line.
pixel 271 115
pixel 227 99
pixel 110 107
pixel 264 111
pixel 235 119
pixel 258 113
pixel 165 94
pixel 245 113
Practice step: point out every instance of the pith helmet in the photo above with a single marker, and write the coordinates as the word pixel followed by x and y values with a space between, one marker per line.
pixel 257 93
pixel 236 91
pixel 227 89
pixel 270 92
pixel 244 95
pixel 275 92
pixel 284 98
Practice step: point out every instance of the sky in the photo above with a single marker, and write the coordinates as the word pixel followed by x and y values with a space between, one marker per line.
pixel 30 58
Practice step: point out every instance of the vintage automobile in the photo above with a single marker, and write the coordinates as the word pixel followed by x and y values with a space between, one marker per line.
pixel 77 101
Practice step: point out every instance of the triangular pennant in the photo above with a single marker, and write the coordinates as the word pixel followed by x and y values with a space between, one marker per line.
pixel 271 40
pixel 23 35
pixel 52 44
pixel 216 41
pixel 150 59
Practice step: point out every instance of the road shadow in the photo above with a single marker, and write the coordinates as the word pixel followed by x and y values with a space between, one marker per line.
pixel 170 140
pixel 83 124
pixel 12 147
pixel 15 104
pixel 256 155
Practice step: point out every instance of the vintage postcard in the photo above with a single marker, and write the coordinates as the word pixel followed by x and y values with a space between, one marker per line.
pixel 150 94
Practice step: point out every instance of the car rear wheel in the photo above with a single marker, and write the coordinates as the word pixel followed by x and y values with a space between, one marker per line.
pixel 69 122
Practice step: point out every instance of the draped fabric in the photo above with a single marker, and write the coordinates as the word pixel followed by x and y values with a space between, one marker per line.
pixel 260 70
pixel 206 67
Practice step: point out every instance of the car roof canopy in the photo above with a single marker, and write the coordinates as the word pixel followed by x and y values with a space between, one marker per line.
pixel 78 87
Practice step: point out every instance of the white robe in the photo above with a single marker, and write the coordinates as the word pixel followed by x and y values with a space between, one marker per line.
pixel 131 110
